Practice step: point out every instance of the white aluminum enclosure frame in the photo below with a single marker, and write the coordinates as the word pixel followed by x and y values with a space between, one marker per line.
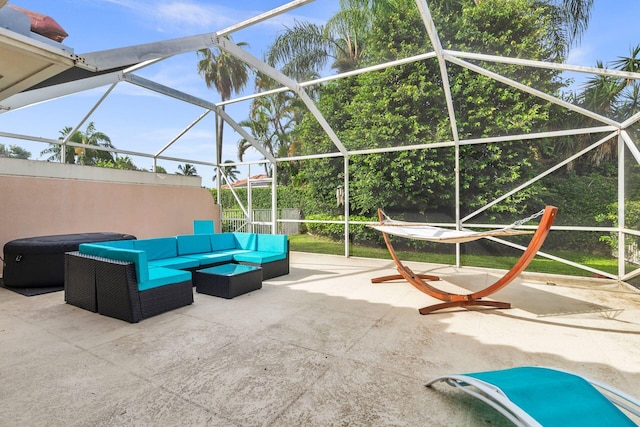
pixel 112 67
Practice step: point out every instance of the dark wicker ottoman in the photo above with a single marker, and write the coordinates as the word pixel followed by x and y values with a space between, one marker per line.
pixel 228 280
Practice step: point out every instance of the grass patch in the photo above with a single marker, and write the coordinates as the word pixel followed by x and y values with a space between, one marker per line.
pixel 322 245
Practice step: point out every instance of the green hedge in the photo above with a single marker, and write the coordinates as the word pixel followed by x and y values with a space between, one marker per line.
pixel 581 200
pixel 288 197
pixel 358 233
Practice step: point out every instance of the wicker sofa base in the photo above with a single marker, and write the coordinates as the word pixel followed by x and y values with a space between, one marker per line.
pixel 116 291
pixel 272 269
pixel 80 281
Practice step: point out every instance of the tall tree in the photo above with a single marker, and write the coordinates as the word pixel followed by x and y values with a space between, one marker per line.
pixel 80 155
pixel 227 75
pixel 570 18
pixel 306 48
pixel 405 105
pixel 14 152
pixel 187 170
pixel 271 119
pixel 121 162
pixel 613 97
pixel 577 14
pixel 230 171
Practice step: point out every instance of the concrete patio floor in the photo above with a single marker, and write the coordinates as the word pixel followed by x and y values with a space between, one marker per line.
pixel 319 347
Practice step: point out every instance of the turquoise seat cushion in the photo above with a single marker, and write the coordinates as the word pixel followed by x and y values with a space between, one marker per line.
pixel 555 398
pixel 272 243
pixel 222 241
pixel 193 244
pixel 139 258
pixel 160 276
pixel 157 248
pixel 259 257
pixel 247 241
pixel 212 257
pixel 179 262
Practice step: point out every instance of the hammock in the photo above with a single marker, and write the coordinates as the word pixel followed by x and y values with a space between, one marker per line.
pixel 420 231
pixel 425 232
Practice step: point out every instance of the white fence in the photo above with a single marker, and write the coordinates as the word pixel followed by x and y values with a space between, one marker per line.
pixel 631 255
pixel 235 220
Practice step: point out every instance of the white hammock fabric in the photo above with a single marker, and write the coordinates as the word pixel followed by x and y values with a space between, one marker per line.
pixel 421 231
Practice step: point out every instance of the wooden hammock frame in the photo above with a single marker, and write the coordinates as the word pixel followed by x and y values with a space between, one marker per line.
pixel 475 298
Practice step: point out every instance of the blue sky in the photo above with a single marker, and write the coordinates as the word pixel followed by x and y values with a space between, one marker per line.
pixel 138 120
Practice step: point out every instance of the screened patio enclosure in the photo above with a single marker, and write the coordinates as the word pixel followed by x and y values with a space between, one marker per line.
pixel 48 72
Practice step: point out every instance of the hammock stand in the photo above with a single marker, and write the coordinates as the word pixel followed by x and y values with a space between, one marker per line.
pixel 462 300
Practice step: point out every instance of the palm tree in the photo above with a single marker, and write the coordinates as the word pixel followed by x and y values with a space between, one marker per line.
pixel 14 152
pixel 227 75
pixel 612 97
pixel 187 170
pixel 78 155
pixel 230 171
pixel 629 63
pixel 54 152
pixel 306 48
pixel 271 120
pixel 576 16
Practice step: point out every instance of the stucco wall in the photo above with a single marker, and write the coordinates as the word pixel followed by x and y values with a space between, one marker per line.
pixel 38 199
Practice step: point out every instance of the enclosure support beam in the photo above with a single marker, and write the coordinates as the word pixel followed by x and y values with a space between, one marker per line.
pixel 621 207
pixel 346 205
pixel 233 49
pixel 446 87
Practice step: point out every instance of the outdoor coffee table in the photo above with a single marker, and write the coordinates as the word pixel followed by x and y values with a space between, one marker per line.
pixel 228 280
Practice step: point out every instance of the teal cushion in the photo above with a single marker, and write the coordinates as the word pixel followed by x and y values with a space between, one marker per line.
pixel 193 244
pixel 222 241
pixel 211 257
pixel 157 248
pixel 139 258
pixel 203 226
pixel 178 263
pixel 259 257
pixel 555 398
pixel 272 243
pixel 159 276
pixel 124 244
pixel 94 249
pixel 245 241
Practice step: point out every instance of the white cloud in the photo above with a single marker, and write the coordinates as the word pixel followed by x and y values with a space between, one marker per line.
pixel 185 16
pixel 182 16
pixel 582 55
pixel 185 13
pixel 190 16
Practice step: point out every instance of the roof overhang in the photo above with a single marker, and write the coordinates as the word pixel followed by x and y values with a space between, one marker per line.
pixel 33 71
pixel 25 62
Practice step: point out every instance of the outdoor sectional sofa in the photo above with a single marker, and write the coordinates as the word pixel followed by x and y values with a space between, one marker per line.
pixel 135 279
